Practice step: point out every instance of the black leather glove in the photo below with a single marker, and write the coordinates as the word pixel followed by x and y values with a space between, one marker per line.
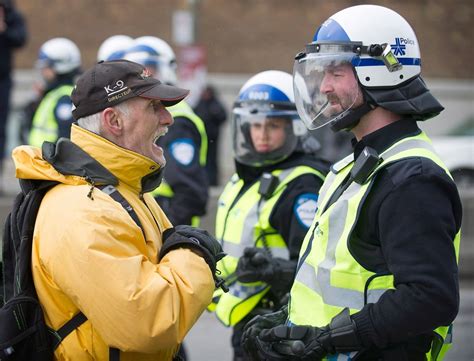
pixel 184 236
pixel 257 264
pixel 258 323
pixel 309 343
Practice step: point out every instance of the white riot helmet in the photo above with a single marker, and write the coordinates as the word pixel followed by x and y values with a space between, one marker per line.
pixel 114 47
pixel 266 100
pixel 382 50
pixel 59 54
pixel 154 53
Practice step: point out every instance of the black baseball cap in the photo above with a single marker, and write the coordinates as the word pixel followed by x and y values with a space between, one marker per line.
pixel 112 82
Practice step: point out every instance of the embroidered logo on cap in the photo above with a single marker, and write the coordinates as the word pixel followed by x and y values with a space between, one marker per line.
pixel 116 91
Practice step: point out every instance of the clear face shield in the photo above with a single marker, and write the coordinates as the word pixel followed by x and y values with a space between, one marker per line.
pixel 263 135
pixel 325 85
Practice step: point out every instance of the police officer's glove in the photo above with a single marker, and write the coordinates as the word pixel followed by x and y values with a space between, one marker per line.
pixel 184 236
pixel 258 323
pixel 309 343
pixel 257 264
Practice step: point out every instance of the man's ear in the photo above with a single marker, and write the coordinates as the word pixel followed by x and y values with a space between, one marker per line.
pixel 112 122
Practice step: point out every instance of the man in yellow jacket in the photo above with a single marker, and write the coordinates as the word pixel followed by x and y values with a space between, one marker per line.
pixel 141 283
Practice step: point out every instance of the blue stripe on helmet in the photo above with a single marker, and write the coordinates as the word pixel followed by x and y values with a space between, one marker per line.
pixel 332 31
pixel 144 48
pixel 375 62
pixel 263 92
pixel 116 55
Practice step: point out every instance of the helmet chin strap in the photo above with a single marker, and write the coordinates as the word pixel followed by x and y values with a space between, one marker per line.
pixel 351 119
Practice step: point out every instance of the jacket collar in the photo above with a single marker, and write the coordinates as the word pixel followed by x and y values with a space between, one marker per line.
pixel 101 161
pixel 383 138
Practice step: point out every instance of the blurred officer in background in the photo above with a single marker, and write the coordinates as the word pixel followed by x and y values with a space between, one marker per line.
pixel 183 193
pixel 377 275
pixel 114 47
pixel 268 205
pixel 13 35
pixel 59 61
pixel 213 113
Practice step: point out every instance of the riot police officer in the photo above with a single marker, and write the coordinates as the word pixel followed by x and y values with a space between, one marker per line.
pixel 59 61
pixel 377 272
pixel 268 205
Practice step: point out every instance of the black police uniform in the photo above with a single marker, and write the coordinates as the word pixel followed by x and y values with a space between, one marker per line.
pixel 411 240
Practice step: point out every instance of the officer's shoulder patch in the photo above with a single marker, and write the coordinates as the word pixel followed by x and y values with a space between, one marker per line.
pixel 183 150
pixel 305 208
pixel 63 109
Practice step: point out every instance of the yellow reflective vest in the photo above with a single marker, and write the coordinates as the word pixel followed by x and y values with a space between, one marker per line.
pixel 328 278
pixel 182 109
pixel 45 126
pixel 245 222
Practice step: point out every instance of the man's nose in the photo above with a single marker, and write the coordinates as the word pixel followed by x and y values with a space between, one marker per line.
pixel 165 117
pixel 326 85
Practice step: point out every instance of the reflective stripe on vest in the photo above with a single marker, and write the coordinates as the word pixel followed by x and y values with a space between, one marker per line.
pixel 328 277
pixel 183 110
pixel 245 222
pixel 44 126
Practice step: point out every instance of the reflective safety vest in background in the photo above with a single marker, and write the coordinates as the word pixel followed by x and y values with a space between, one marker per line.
pixel 328 277
pixel 243 220
pixel 182 109
pixel 44 126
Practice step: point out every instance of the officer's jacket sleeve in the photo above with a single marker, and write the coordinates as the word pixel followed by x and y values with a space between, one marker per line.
pixel 187 178
pixel 96 256
pixel 416 224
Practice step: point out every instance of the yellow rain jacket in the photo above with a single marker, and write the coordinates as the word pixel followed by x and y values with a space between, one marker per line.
pixel 90 256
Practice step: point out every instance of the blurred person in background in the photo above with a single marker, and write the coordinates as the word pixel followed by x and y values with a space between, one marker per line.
pixel 213 113
pixel 183 193
pixel 114 47
pixel 59 61
pixel 268 205
pixel 13 35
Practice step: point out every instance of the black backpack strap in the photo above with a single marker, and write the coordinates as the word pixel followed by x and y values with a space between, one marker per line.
pixel 116 196
pixel 67 328
pixel 114 354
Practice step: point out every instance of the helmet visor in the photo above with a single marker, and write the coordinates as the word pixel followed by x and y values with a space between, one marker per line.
pixel 264 137
pixel 325 86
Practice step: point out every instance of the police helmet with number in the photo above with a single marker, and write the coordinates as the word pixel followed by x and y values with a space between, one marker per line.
pixel 154 53
pixel 384 54
pixel 59 54
pixel 267 95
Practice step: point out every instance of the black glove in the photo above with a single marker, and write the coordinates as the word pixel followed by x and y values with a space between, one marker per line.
pixel 258 323
pixel 309 343
pixel 184 236
pixel 257 264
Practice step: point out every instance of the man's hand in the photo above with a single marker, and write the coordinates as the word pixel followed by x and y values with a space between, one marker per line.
pixel 258 323
pixel 309 343
pixel 197 240
pixel 257 264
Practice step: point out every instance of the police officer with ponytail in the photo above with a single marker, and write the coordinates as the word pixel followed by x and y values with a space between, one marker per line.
pixel 377 276
pixel 268 205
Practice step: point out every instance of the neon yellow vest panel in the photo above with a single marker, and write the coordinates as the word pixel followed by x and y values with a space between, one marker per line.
pixel 329 278
pixel 245 222
pixel 182 109
pixel 44 126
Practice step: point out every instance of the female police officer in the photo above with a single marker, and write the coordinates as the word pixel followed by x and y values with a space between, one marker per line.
pixel 268 204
